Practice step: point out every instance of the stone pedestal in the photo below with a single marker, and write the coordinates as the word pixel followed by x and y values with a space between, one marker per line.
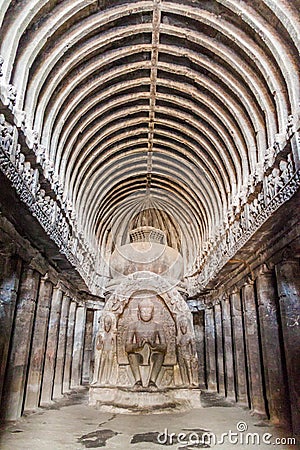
pixel 126 400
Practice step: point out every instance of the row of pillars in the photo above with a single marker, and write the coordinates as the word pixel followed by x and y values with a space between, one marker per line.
pixel 251 345
pixel 42 339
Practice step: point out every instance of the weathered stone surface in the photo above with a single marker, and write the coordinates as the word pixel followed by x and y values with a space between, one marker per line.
pixel 12 399
pixel 10 271
pixel 145 341
pixel 38 345
pixel 239 349
pixel 253 349
pixel 77 355
pixel 219 349
pixel 51 347
pixel 88 347
pixel 228 350
pixel 61 348
pixel 198 321
pixel 273 360
pixel 210 346
pixel 69 348
pixel 114 400
pixel 175 120
pixel 288 282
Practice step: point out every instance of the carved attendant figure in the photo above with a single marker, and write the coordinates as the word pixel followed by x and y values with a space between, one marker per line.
pixel 145 332
pixel 105 351
pixel 186 354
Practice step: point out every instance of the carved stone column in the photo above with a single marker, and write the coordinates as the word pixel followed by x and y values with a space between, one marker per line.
pixel 276 388
pixel 210 346
pixel 220 350
pixel 96 323
pixel 88 346
pixel 38 345
pixel 239 349
pixel 228 350
pixel 69 347
pixel 10 272
pixel 253 350
pixel 51 348
pixel 78 346
pixel 288 282
pixel 61 347
pixel 15 378
pixel 198 320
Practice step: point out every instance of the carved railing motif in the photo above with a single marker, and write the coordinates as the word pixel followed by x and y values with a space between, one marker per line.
pixel 278 187
pixel 46 209
pixel 274 182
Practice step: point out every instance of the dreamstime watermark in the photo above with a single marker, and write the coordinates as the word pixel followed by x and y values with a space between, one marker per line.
pixel 239 437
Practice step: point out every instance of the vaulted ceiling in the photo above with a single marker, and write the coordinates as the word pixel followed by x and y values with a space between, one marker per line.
pixel 157 104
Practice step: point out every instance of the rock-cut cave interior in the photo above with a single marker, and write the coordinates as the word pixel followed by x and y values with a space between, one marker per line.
pixel 149 224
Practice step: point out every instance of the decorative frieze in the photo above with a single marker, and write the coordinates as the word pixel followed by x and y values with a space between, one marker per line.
pixel 52 217
pixel 278 186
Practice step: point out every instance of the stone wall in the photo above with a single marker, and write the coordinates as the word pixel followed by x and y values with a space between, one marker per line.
pixel 251 338
pixel 42 328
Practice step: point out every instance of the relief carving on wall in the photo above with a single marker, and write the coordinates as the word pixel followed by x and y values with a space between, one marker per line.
pixel 147 342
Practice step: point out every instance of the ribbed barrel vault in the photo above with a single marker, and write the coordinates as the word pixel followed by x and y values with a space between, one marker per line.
pixel 173 101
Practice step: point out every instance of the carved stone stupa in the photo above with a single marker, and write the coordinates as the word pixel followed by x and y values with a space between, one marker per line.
pixel 145 355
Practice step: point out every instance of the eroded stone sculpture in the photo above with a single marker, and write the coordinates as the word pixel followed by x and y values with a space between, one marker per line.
pixel 186 351
pixel 105 352
pixel 146 341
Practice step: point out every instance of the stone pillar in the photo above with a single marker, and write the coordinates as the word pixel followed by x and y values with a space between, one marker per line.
pixel 77 358
pixel 96 321
pixel 51 347
pixel 228 350
pixel 198 318
pixel 288 282
pixel 38 345
pixel 239 350
pixel 15 379
pixel 88 346
pixel 276 388
pixel 220 352
pixel 61 348
pixel 10 272
pixel 210 350
pixel 69 348
pixel 253 350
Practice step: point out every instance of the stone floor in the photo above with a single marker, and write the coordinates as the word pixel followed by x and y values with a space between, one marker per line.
pixel 72 424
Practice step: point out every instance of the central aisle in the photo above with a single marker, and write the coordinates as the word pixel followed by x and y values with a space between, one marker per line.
pixel 72 424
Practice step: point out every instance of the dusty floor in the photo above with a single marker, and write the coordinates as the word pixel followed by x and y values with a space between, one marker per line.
pixel 72 424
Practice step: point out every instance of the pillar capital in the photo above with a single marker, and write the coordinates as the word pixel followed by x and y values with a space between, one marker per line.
pixel 247 281
pixel 265 270
pixel 290 255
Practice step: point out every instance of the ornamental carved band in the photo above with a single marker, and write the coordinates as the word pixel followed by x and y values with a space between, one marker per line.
pixel 25 180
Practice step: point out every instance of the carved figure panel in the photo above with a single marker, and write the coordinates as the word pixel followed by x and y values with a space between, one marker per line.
pixel 161 315
pixel 147 341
